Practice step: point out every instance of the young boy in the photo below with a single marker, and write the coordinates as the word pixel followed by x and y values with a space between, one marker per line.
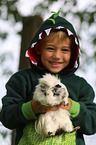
pixel 55 50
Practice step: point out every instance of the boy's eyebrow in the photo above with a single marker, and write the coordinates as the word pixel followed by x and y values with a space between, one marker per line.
pixel 50 44
pixel 47 45
pixel 66 46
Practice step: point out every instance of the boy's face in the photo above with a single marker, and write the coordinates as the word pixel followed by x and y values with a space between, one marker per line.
pixel 55 55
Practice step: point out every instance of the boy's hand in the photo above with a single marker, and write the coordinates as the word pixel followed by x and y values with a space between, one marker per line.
pixel 66 107
pixel 38 108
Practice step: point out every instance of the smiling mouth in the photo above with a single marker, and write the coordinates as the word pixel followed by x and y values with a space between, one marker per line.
pixel 55 64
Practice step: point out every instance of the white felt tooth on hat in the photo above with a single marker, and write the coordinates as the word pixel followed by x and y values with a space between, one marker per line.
pixel 26 54
pixel 40 36
pixel 69 32
pixel 33 62
pixel 76 40
pixel 33 44
pixel 80 53
pixel 59 27
pixel 47 31
pixel 76 64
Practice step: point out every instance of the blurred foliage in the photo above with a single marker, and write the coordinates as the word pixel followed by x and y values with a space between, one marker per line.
pixel 4 134
pixel 6 70
pixel 9 8
pixel 3 35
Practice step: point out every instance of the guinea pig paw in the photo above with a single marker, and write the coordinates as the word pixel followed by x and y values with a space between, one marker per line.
pixel 50 133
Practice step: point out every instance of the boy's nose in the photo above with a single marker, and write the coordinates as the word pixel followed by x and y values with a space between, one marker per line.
pixel 56 55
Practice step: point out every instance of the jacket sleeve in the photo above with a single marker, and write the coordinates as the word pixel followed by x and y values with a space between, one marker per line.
pixel 86 118
pixel 11 113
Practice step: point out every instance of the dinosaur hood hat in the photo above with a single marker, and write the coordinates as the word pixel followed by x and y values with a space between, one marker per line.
pixel 54 22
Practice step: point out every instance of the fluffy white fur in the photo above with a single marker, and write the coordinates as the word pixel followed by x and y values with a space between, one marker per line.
pixel 49 92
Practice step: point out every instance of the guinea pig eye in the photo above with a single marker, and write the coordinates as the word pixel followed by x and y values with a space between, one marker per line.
pixel 56 90
pixel 56 94
pixel 42 88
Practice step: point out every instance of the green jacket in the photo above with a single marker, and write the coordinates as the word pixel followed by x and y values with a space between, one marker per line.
pixel 20 90
pixel 17 111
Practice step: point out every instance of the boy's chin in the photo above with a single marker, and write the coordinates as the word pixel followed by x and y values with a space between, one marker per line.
pixel 54 70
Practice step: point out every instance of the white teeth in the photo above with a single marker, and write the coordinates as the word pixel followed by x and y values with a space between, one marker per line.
pixel 55 63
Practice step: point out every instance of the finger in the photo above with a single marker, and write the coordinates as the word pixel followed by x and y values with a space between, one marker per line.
pixel 49 108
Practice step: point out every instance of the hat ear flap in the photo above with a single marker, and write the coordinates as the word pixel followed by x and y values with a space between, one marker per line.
pixel 37 49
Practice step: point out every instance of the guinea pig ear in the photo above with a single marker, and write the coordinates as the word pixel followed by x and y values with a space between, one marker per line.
pixel 58 86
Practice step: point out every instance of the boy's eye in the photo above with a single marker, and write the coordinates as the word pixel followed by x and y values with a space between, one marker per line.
pixel 65 50
pixel 50 48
